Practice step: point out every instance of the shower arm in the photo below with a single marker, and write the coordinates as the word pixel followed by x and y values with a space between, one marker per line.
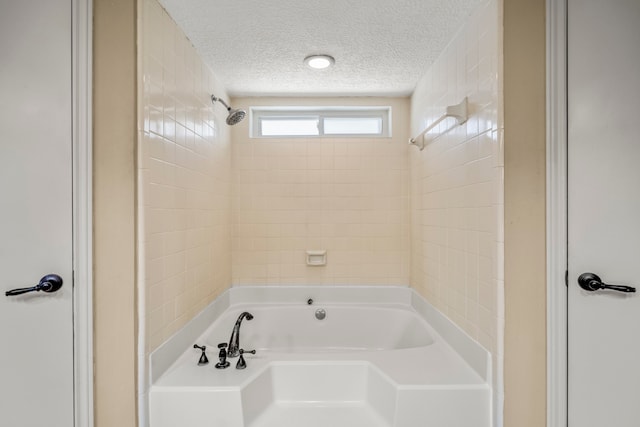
pixel 215 98
pixel 235 116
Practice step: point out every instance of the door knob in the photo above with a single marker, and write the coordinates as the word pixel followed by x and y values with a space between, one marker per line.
pixel 591 282
pixel 49 283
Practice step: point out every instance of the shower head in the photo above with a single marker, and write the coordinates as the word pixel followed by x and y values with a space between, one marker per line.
pixel 235 116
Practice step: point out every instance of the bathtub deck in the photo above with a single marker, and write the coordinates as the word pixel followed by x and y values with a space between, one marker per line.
pixel 296 414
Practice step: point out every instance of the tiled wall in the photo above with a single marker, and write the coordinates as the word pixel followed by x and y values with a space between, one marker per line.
pixel 349 196
pixel 457 185
pixel 385 212
pixel 184 181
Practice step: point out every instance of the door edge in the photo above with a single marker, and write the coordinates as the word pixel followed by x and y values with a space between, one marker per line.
pixel 557 349
pixel 81 45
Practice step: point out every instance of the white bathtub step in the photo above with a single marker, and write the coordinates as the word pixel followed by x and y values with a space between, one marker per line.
pixel 299 414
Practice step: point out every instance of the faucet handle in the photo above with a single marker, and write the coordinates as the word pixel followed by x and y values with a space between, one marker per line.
pixel 241 362
pixel 203 357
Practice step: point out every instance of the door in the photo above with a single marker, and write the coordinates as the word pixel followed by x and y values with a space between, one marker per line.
pixel 36 328
pixel 604 212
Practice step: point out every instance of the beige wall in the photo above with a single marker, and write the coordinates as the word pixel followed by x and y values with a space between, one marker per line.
pixel 114 195
pixel 161 194
pixel 184 173
pixel 525 267
pixel 457 185
pixel 348 196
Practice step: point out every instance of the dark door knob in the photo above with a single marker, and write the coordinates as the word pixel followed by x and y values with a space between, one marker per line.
pixel 49 283
pixel 591 282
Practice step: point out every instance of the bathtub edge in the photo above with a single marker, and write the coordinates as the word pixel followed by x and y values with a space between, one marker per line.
pixel 321 294
pixel 476 356
pixel 161 359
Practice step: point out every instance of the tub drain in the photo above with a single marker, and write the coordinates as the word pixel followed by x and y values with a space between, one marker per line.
pixel 321 314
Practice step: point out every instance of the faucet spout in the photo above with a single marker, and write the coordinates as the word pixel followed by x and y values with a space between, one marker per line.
pixel 234 341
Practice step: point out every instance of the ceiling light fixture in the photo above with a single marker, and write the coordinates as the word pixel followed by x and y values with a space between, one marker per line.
pixel 319 62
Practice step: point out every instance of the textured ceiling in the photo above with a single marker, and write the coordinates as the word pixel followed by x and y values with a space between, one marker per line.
pixel 381 47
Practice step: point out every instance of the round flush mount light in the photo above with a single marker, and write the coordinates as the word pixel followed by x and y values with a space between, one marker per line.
pixel 319 62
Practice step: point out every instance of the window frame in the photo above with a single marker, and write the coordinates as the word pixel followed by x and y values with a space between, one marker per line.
pixel 257 114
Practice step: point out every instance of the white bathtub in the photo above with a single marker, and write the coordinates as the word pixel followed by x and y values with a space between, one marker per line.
pixel 379 363
pixel 289 328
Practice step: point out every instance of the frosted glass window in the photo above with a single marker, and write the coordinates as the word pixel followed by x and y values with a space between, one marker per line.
pixel 352 125
pixel 288 127
pixel 292 122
